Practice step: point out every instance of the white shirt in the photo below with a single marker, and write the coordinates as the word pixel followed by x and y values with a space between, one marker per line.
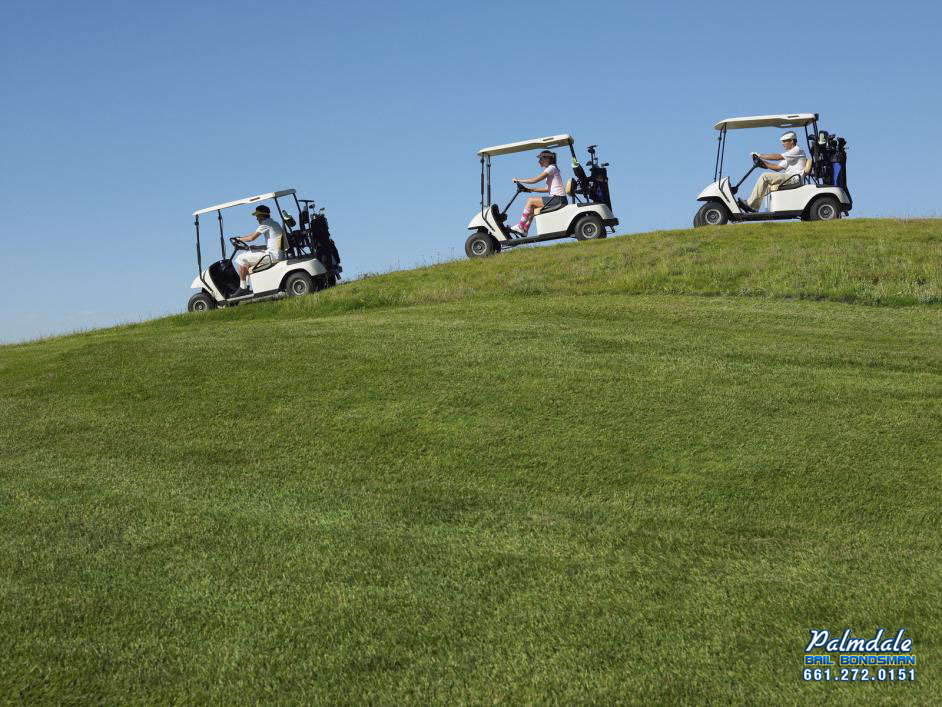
pixel 274 238
pixel 554 181
pixel 794 161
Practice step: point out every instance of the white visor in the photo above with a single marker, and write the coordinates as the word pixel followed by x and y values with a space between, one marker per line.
pixel 790 136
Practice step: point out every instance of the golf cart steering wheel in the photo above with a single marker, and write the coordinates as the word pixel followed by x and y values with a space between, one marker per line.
pixel 520 187
pixel 238 243
pixel 758 161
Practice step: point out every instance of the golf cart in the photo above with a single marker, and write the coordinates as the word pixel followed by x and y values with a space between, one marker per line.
pixel 820 194
pixel 587 215
pixel 311 259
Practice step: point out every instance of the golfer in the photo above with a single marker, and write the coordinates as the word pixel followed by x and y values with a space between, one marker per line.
pixel 791 162
pixel 554 187
pixel 274 251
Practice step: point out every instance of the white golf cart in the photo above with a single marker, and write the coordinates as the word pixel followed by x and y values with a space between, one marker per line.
pixel 587 215
pixel 311 263
pixel 820 194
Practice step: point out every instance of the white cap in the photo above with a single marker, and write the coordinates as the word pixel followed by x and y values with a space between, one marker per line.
pixel 790 136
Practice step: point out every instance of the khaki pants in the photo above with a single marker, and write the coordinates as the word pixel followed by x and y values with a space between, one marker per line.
pixel 764 186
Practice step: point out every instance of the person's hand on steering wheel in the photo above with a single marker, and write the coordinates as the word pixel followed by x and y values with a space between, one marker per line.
pixel 237 243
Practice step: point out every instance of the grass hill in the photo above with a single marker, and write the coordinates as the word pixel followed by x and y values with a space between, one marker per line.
pixel 635 470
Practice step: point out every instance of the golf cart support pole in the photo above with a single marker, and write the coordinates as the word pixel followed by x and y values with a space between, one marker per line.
pixel 482 185
pixel 488 180
pixel 222 239
pixel 199 252
pixel 716 165
pixel 199 255
pixel 722 153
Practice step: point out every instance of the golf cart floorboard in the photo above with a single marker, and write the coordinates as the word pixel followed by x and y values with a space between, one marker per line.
pixel 765 216
pixel 510 242
pixel 533 239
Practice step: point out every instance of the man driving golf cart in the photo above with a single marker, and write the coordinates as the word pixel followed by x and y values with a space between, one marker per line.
pixel 809 186
pixel 789 166
pixel 274 251
pixel 299 255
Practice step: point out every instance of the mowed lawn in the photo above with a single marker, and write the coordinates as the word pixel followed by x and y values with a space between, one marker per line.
pixel 526 493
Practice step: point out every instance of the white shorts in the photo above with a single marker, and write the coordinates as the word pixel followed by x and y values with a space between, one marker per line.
pixel 250 259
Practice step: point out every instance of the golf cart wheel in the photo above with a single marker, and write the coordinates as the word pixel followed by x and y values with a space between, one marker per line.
pixel 589 228
pixel 480 245
pixel 712 213
pixel 298 284
pixel 200 302
pixel 825 209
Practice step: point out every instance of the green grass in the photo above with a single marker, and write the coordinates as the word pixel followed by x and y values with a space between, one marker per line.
pixel 637 470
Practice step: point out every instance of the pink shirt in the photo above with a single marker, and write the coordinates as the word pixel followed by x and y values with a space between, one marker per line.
pixel 554 181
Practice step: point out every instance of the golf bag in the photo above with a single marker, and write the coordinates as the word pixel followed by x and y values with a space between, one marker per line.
pixel 598 186
pixel 324 247
pixel 593 186
pixel 830 160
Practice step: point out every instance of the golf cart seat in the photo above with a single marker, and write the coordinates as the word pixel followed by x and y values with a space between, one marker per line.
pixel 796 180
pixel 264 264
pixel 555 207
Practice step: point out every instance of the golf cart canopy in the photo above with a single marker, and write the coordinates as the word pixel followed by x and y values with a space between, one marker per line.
pixel 789 120
pixel 246 200
pixel 539 143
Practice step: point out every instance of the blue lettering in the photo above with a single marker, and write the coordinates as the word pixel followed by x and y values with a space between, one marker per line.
pixel 818 660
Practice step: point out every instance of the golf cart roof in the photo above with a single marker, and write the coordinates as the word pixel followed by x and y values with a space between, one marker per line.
pixel 246 200
pixel 785 120
pixel 538 143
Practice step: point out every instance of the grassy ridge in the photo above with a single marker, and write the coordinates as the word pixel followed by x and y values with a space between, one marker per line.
pixel 488 495
pixel 875 262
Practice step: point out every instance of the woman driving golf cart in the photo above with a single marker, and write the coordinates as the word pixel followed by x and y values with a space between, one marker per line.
pixel 554 187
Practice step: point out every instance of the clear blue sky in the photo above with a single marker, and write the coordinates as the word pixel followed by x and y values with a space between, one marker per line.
pixel 120 119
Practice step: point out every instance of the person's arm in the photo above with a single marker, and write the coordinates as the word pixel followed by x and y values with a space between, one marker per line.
pixel 532 180
pixel 770 156
pixel 251 237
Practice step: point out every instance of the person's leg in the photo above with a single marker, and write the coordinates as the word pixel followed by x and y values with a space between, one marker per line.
pixel 239 262
pixel 533 203
pixel 766 179
pixel 244 263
